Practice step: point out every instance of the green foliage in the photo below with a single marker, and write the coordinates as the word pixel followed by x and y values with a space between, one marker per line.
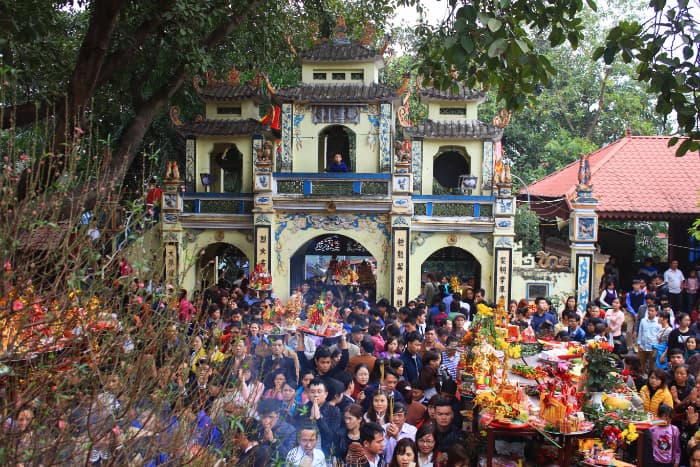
pixel 647 241
pixel 527 230
pixel 667 60
pixel 489 45
pixel 600 364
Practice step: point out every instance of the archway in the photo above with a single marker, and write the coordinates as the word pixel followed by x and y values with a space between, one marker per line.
pixel 221 260
pixel 326 261
pixel 453 261
pixel 336 139
pixel 449 165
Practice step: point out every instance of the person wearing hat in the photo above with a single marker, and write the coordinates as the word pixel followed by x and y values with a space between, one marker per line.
pixel 397 429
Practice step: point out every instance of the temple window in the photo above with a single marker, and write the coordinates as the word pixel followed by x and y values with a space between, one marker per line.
pixel 449 165
pixel 453 111
pixel 229 110
pixel 320 76
pixel 338 76
pixel 357 75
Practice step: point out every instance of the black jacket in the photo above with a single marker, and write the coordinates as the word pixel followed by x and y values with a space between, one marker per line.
pixel 269 367
pixel 329 425
pixel 257 456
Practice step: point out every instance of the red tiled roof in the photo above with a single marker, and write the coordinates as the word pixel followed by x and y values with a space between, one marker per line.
pixel 636 177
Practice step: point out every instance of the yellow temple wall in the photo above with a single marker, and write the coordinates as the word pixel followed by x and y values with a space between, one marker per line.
pixel 434 110
pixel 370 71
pixel 249 109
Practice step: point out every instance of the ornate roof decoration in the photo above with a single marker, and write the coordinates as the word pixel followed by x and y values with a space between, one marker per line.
pixel 462 93
pixel 336 93
pixel 221 128
pixel 455 129
pixel 230 90
pixel 175 116
pixel 341 36
pixel 502 119
pixel 368 34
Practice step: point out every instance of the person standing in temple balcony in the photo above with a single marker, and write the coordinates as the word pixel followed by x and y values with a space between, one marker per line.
pixel 338 165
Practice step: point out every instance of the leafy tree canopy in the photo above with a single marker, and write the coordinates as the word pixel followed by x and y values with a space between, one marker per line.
pixel 498 45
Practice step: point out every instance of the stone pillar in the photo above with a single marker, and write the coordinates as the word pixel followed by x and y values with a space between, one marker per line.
pixel 172 207
pixel 503 240
pixel 401 212
pixel 583 234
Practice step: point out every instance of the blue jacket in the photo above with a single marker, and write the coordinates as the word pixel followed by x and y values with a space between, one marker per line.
pixel 537 321
pixel 411 367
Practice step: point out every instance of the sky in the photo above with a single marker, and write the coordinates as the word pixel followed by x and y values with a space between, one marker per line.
pixel 435 11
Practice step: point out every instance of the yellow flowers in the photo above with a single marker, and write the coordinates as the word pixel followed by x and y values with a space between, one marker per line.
pixel 514 351
pixel 629 434
pixel 484 310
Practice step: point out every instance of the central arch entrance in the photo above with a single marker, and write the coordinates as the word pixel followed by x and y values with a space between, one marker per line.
pixel 334 262
pixel 221 261
pixel 453 261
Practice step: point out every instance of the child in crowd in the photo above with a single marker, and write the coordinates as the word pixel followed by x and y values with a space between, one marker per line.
pixel 663 442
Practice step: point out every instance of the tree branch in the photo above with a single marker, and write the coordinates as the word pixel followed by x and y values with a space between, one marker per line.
pixel 144 115
pixel 601 102
pixel 116 60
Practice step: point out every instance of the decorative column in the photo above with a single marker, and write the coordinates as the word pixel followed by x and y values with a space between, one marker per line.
pixel 172 206
pixel 583 234
pixel 262 203
pixel 386 122
pixel 503 237
pixel 401 212
pixel 285 161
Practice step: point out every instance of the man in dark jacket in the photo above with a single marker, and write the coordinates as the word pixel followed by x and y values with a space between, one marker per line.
pixel 412 363
pixel 278 435
pixel 445 435
pixel 275 362
pixel 322 365
pixel 252 453
pixel 327 417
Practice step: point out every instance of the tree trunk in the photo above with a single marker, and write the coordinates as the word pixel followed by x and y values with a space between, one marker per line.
pixel 69 112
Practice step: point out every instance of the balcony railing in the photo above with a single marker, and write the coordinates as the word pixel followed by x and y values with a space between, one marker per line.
pixel 452 206
pixel 217 203
pixel 337 184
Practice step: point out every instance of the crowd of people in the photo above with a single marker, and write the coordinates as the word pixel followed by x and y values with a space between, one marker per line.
pixel 383 392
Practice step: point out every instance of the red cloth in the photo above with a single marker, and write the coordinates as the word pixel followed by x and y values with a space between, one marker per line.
pixel 154 195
